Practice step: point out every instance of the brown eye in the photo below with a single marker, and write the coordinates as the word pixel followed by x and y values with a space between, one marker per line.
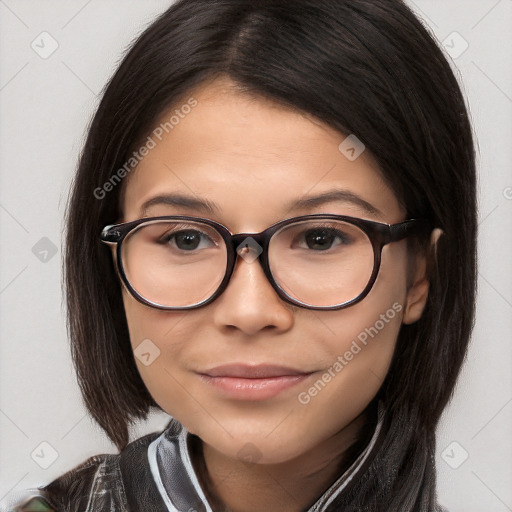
pixel 323 238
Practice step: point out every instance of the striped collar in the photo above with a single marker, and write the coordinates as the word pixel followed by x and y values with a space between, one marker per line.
pixel 178 484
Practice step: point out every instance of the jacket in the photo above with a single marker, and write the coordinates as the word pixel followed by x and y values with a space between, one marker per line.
pixel 152 474
pixel 155 474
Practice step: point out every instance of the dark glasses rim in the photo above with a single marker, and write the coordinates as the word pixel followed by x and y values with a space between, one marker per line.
pixel 379 234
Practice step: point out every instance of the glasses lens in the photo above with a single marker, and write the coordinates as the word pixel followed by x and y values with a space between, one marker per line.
pixel 174 263
pixel 321 262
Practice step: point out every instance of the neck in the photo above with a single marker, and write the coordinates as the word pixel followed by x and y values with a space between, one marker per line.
pixel 291 486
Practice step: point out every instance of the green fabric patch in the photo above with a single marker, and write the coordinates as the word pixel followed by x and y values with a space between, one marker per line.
pixel 36 505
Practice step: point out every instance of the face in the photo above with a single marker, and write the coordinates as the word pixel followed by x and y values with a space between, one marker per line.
pixel 251 158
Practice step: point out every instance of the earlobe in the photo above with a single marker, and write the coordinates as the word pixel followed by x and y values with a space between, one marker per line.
pixel 418 292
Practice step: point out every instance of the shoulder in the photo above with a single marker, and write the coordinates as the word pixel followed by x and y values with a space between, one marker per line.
pixel 70 491
pixel 99 483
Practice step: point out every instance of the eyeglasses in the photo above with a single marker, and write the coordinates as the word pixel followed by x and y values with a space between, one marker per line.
pixel 320 261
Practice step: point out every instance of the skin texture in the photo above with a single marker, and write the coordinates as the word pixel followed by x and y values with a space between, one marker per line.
pixel 251 157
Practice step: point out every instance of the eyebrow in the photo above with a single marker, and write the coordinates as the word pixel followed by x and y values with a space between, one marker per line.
pixel 334 195
pixel 202 205
pixel 209 207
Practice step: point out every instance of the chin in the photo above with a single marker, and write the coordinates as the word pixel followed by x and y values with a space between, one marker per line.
pixel 257 448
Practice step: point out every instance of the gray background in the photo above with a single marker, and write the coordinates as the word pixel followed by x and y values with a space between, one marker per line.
pixel 45 106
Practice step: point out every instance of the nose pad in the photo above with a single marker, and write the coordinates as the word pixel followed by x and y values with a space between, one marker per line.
pixel 249 249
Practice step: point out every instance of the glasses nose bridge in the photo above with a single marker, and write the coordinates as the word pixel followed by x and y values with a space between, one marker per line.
pixel 256 248
pixel 255 242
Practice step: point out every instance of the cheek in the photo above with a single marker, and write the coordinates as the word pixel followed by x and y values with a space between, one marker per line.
pixel 144 322
pixel 360 353
pixel 367 332
pixel 157 340
pixel 361 344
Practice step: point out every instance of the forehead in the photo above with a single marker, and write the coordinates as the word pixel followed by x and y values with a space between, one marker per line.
pixel 252 158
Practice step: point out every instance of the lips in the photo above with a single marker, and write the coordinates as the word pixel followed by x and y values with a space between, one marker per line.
pixel 262 371
pixel 253 382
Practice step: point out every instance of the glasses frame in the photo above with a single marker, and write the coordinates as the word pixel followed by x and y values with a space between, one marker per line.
pixel 379 234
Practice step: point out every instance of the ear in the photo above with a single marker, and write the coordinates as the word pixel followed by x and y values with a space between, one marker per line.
pixel 417 293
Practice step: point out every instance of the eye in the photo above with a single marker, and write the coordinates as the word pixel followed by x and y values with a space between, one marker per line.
pixel 188 240
pixel 324 238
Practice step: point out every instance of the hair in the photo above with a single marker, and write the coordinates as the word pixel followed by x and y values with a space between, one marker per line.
pixel 364 67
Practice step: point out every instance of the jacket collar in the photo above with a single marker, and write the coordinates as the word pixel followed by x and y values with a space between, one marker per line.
pixel 170 461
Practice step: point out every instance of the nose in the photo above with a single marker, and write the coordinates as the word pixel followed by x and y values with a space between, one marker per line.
pixel 250 303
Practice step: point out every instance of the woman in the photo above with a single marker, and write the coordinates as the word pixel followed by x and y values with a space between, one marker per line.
pixel 271 237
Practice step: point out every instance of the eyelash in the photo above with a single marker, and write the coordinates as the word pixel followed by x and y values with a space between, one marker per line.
pixel 324 229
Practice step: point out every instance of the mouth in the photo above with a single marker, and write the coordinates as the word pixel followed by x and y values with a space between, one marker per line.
pixel 254 382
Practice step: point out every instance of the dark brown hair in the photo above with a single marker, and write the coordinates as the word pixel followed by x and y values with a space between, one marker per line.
pixel 367 67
